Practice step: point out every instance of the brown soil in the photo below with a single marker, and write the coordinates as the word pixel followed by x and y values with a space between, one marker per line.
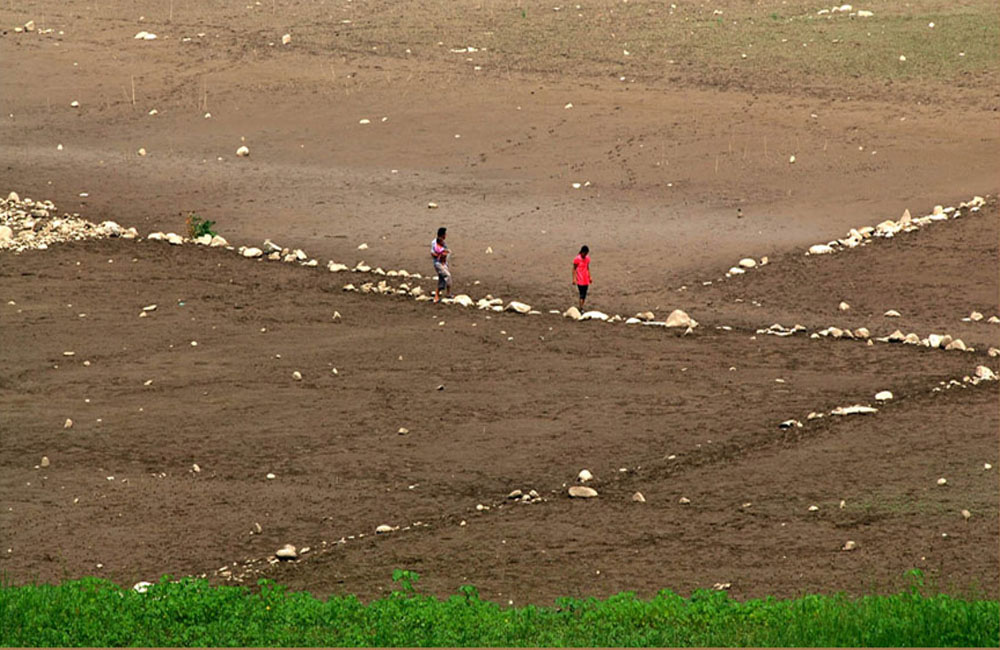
pixel 669 161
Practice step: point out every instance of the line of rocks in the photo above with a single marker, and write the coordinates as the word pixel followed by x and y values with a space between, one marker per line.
pixel 980 375
pixel 936 341
pixel 889 228
pixel 28 224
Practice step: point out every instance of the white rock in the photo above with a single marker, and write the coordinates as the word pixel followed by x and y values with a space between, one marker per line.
pixel 29 26
pixel 218 241
pixel 813 508
pixel 145 36
pixel 403 431
pixel 934 340
pixel 843 306
pixel 573 313
pixel 594 315
pixel 383 528
pixel 44 462
pixel 584 476
pixel 74 104
pixel 857 409
pixel 735 270
pixel 142 151
pixel 6 234
pixel 864 13
pixel 942 481
pixel 985 373
pixel 286 39
pixel 142 586
pixel 582 492
pixel 849 545
pixel 684 501
pixel 518 307
pixel 286 552
pixel 362 247
pixel 884 396
pixel 252 252
pixel 463 300
pixel 203 240
pixel 892 313
pixel 270 476
pixel 748 262
pixel 975 316
pixel 957 344
pixel 297 376
pixel 334 267
pixel 174 239
pixel 679 318
pixel 68 424
pixel 820 249
pixel 791 160
pixel 243 151
pixel 638 498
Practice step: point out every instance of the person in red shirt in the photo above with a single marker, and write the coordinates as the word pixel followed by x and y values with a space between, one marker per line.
pixel 581 274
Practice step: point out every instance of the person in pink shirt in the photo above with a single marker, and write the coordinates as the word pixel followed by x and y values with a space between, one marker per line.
pixel 581 274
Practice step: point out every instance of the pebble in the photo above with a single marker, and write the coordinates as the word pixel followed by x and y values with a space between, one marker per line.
pixel 638 498
pixel 44 462
pixel 813 508
pixel 966 514
pixel 243 151
pixel 68 424
pixel 849 545
pixel 684 501
pixel 403 431
pixel 270 476
pixel 297 376
pixel 584 476
pixel 883 396
pixel 195 468
pixel 286 39
pixel 843 306
pixel 942 481
pixel 582 492
pixel 384 528
pixel 892 313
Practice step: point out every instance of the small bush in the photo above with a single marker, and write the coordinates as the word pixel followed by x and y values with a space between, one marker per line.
pixel 196 226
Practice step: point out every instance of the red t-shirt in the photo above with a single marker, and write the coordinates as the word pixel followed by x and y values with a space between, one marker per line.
pixel 581 269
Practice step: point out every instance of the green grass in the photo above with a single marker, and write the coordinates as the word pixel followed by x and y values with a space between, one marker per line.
pixel 94 612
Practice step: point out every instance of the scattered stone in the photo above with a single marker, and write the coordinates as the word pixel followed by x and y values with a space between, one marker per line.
pixel 843 306
pixel 957 344
pixel 518 307
pixel 573 313
pixel 270 476
pixel 44 462
pixel 582 492
pixel 403 431
pixel 252 252
pixel 68 424
pixel 748 262
pixel 243 151
pixel 297 376
pixel 849 545
pixel 286 552
pixel 684 501
pixel 195 468
pixel 638 498
pixel 286 39
pixel 892 313
pixel 966 514
pixel 942 481
pixel 174 239
pixel 975 316
pixel 383 528
pixel 883 396
pixel 584 476
pixel 820 249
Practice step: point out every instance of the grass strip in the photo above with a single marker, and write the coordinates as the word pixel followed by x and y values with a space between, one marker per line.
pixel 189 612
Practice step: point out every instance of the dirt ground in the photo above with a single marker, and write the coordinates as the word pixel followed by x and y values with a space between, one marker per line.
pixel 670 147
